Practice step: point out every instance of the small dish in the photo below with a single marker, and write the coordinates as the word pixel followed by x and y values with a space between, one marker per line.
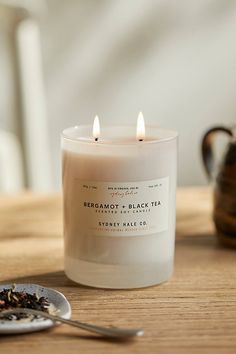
pixel 59 305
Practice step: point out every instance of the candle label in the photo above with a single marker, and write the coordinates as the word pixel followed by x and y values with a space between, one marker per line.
pixel 122 208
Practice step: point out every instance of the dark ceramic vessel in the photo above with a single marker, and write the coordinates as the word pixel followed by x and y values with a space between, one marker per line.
pixel 224 213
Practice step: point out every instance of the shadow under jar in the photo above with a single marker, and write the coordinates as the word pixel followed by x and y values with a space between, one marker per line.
pixel 119 206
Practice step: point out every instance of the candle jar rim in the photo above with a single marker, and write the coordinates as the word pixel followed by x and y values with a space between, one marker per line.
pixel 165 135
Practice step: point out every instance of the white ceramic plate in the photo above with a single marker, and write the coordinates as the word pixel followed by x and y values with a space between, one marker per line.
pixel 60 306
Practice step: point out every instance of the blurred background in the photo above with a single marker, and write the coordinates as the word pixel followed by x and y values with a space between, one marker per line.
pixel 64 61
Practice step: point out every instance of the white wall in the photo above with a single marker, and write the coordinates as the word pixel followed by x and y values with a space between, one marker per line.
pixel 174 60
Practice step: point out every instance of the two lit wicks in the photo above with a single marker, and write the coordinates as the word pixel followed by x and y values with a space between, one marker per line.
pixel 140 130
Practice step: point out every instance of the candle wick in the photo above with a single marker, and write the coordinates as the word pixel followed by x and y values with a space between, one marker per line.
pixel 96 139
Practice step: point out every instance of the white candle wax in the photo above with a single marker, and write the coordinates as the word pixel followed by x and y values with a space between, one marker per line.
pixel 119 206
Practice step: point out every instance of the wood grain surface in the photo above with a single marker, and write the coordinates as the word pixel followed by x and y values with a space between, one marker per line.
pixel 195 312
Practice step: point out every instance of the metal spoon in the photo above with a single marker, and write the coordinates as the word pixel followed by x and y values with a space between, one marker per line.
pixel 112 332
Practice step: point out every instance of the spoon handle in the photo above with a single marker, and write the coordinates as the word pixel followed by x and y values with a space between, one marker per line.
pixel 105 331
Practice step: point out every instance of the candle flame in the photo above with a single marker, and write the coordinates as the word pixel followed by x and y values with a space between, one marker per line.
pixel 96 128
pixel 140 127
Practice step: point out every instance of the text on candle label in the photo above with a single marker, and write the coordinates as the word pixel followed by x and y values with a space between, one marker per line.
pixel 123 208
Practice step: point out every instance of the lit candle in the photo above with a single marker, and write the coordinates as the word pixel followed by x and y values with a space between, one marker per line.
pixel 119 204
pixel 140 127
pixel 96 128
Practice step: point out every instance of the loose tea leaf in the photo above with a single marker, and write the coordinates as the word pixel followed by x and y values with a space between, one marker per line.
pixel 10 299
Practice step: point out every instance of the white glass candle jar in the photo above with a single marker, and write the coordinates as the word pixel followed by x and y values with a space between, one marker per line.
pixel 119 206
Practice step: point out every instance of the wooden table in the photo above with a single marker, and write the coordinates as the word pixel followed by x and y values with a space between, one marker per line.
pixel 195 312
